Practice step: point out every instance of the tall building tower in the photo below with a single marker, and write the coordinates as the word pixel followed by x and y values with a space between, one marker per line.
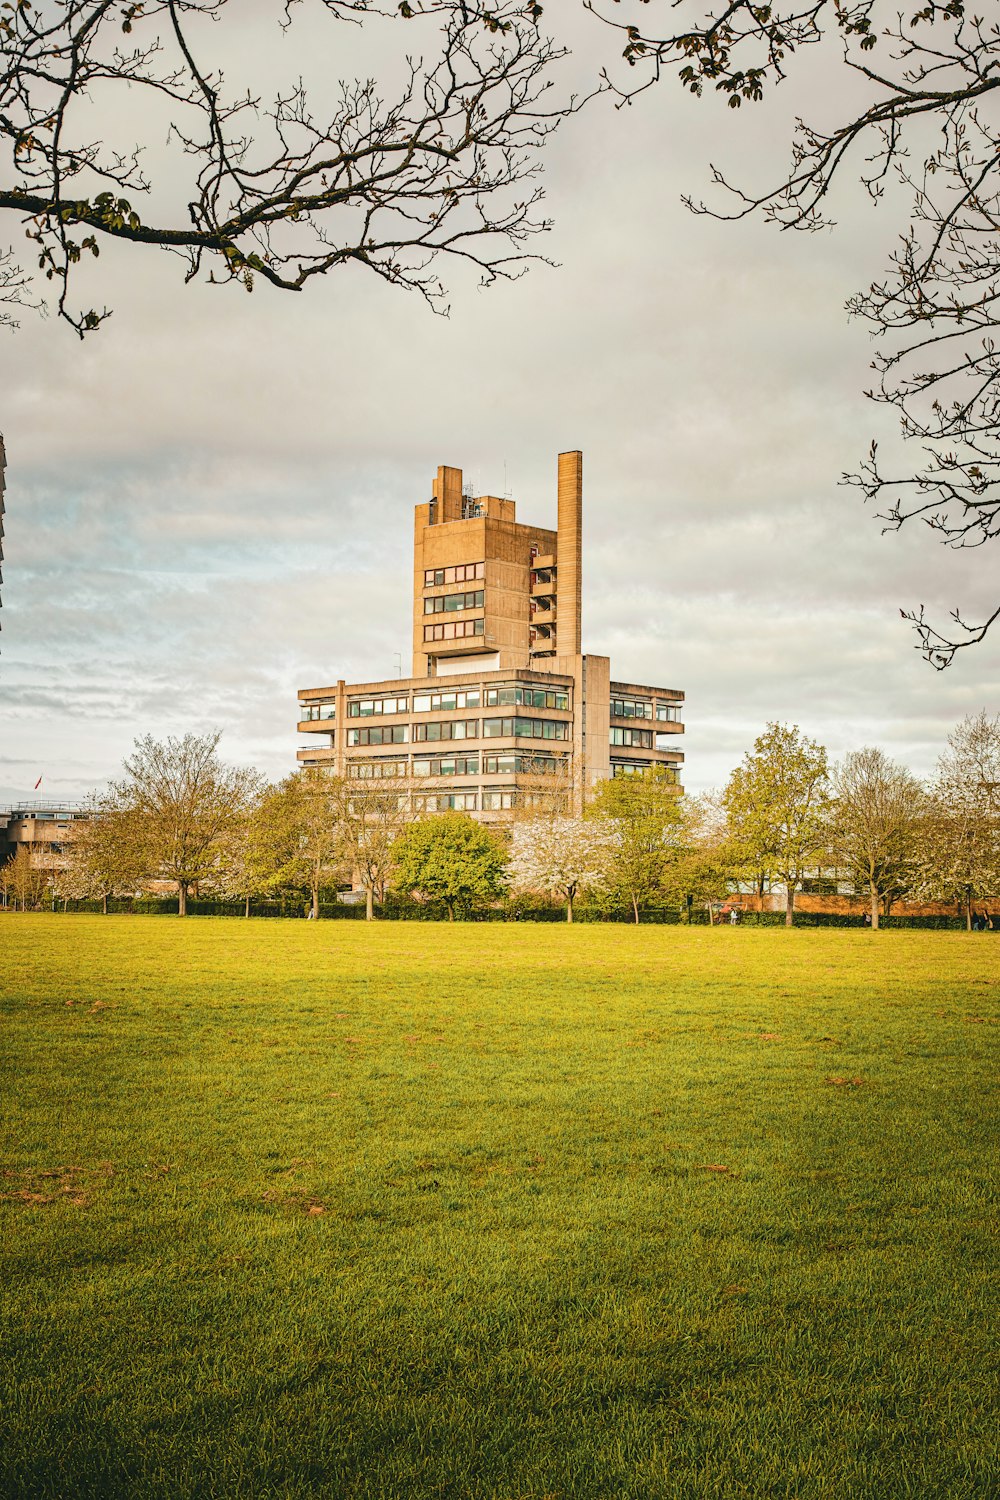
pixel 502 700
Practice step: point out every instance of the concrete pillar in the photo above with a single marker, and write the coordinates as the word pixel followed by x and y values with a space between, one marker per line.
pixel 569 554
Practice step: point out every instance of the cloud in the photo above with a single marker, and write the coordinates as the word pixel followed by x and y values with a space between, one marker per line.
pixel 210 502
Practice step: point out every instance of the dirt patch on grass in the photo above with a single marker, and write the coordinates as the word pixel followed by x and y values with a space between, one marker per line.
pixel 40 1187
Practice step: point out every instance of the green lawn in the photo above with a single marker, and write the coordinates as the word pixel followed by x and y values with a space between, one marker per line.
pixel 294 1209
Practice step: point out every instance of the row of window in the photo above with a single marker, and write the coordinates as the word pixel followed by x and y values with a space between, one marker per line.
pixel 363 708
pixel 642 738
pixel 463 573
pixel 637 767
pixel 447 765
pixel 512 762
pixel 455 630
pixel 380 734
pixel 501 696
pixel 491 697
pixel 447 729
pixel 530 697
pixel 642 708
pixel 529 729
pixel 441 604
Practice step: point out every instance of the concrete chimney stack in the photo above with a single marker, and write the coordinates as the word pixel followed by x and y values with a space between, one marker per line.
pixel 569 554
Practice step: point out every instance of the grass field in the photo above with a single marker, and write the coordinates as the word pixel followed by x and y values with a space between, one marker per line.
pixel 297 1209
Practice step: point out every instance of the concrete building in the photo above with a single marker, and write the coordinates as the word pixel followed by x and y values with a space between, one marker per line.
pixel 46 830
pixel 503 704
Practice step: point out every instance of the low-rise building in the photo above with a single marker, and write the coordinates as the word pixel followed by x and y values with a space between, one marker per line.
pixel 45 829
pixel 502 701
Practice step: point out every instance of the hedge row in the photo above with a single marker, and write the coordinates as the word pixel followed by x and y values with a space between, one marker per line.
pixel 401 909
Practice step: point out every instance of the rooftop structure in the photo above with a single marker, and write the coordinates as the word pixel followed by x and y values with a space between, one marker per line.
pixel 502 702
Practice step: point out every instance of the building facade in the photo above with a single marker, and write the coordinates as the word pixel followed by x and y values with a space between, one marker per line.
pixel 502 704
pixel 46 830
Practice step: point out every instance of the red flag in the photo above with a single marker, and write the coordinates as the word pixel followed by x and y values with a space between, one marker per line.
pixel 38 783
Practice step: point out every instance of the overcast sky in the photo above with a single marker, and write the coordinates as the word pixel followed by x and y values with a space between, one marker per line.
pixel 209 502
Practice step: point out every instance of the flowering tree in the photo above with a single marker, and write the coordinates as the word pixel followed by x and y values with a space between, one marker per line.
pixel 561 856
pixel 960 856
pixel 106 858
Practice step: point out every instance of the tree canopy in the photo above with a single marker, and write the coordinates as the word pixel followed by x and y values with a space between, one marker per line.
pixel 452 859
pixel 775 803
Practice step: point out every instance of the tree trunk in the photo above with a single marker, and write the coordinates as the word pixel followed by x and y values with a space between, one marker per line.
pixel 569 908
pixel 874 896
pixel 968 908
pixel 182 898
pixel 246 909
pixel 314 906
pixel 104 902
pixel 369 903
pixel 635 908
pixel 451 912
pixel 789 903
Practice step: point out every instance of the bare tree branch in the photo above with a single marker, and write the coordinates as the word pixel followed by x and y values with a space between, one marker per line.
pixel 929 121
pixel 288 191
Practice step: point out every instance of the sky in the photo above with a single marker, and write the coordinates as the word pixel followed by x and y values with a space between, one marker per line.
pixel 209 502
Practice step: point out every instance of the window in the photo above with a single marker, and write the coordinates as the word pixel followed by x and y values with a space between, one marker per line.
pixel 530 765
pixel 631 708
pixel 642 738
pixel 454 630
pixel 379 734
pixel 376 769
pixel 442 702
pixel 636 768
pixel 446 802
pixel 363 708
pixel 533 729
pixel 462 573
pixel 530 697
pixel 447 765
pixel 446 603
pixel 309 711
pixel 669 713
pixel 496 798
pixel 448 729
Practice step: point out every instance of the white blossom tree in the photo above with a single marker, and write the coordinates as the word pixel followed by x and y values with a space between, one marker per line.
pixel 561 856
pixel 960 855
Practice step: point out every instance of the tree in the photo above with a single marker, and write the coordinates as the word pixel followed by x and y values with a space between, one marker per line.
pixel 315 810
pixel 106 857
pixel 703 870
pixel 961 844
pixel 177 805
pixel 371 814
pixel 775 803
pixel 21 882
pixel 278 192
pixel 261 853
pixel 561 856
pixel 643 814
pixel 452 859
pixel 912 98
pixel 875 822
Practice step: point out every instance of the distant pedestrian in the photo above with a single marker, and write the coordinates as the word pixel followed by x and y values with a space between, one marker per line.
pixel 734 916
